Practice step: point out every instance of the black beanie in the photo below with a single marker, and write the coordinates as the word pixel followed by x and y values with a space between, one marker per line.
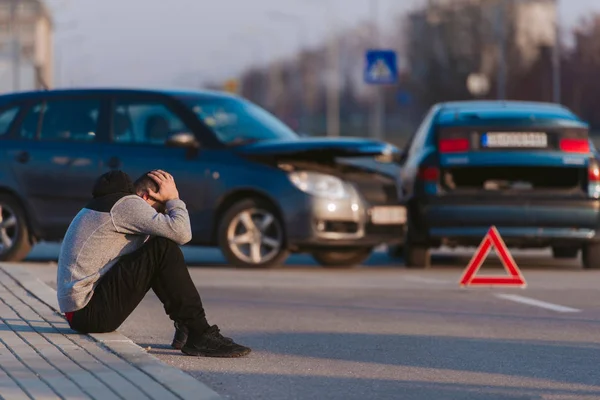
pixel 113 182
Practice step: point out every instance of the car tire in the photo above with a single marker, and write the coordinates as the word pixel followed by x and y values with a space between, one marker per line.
pixel 395 252
pixel 417 256
pixel 342 258
pixel 565 252
pixel 13 228
pixel 232 227
pixel 591 256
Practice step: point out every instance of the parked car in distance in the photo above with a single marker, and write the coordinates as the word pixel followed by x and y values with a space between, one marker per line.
pixel 527 168
pixel 252 186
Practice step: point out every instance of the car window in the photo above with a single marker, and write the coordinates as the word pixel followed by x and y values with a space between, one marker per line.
pixel 62 120
pixel 236 122
pixel 7 117
pixel 145 123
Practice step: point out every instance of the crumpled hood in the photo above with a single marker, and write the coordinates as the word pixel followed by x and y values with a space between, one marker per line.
pixel 319 148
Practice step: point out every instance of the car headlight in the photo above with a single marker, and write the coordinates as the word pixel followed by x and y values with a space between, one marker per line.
pixel 320 185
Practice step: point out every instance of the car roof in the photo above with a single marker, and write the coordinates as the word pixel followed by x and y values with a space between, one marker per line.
pixel 474 111
pixel 207 94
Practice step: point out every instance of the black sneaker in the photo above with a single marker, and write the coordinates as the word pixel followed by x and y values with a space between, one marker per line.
pixel 212 344
pixel 181 336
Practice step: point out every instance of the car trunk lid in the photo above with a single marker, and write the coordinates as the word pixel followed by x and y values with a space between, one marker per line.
pixel 515 159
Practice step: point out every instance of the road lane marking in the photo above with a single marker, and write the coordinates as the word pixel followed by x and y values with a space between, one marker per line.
pixel 537 303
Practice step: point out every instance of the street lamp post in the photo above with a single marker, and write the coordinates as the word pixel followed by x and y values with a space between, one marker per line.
pixel 333 87
pixel 556 67
pixel 274 69
pixel 302 36
pixel 15 39
pixel 333 78
pixel 333 71
pixel 378 112
pixel 501 21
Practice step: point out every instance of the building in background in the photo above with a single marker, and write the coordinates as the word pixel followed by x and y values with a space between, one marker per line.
pixel 535 27
pixel 26 56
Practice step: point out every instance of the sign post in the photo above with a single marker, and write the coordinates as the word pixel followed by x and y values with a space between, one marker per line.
pixel 381 68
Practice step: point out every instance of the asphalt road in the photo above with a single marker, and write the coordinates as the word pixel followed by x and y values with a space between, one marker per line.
pixel 385 332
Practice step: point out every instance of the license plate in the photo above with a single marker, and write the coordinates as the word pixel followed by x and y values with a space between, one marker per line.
pixel 514 139
pixel 388 215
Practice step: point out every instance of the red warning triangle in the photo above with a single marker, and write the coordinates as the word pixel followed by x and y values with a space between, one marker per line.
pixel 492 238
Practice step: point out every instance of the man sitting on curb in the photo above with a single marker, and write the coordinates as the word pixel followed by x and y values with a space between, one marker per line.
pixel 124 243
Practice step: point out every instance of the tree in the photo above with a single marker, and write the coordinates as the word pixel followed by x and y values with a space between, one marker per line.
pixel 582 72
pixel 448 42
pixel 444 45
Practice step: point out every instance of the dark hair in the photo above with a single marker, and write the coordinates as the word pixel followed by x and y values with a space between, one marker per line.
pixel 144 182
pixel 111 183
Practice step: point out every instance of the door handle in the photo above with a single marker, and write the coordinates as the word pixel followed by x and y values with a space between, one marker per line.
pixel 23 157
pixel 114 162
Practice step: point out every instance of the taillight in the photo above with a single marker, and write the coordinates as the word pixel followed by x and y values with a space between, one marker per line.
pixel 593 172
pixel 453 145
pixel 594 179
pixel 574 145
pixel 429 174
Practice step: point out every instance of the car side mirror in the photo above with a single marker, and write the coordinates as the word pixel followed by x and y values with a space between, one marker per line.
pixel 182 139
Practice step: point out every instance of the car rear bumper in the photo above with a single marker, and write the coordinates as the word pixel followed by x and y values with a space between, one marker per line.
pixel 531 222
pixel 516 237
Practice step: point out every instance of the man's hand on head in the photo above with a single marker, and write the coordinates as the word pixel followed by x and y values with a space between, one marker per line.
pixel 167 190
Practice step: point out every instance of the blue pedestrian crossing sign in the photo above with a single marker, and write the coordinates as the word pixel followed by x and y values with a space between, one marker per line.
pixel 381 67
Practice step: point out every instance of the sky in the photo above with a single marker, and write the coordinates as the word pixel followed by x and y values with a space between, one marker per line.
pixel 182 42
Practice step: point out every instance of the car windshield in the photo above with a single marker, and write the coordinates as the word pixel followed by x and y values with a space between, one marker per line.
pixel 237 122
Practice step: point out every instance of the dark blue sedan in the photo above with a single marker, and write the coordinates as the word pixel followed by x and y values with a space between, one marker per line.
pixel 252 186
pixel 527 168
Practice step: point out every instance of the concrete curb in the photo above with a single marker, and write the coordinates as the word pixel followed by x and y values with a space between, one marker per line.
pixel 182 384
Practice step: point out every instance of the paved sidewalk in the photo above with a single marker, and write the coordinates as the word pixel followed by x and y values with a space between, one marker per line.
pixel 42 358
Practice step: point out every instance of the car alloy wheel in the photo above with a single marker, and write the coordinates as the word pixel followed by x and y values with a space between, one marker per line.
pixel 255 236
pixel 9 229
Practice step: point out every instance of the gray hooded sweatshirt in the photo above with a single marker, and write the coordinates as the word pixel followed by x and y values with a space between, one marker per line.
pixel 115 223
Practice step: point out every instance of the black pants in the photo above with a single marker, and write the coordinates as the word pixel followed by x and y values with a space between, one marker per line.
pixel 158 265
